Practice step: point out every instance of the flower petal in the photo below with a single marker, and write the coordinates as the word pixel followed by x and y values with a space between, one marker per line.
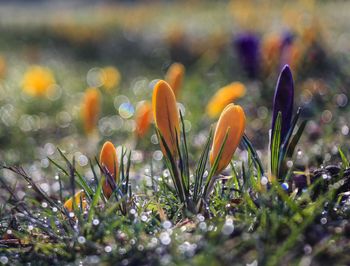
pixel 232 122
pixel 166 115
pixel 283 100
pixel 108 160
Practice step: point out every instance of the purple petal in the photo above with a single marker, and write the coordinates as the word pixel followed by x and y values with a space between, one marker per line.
pixel 247 46
pixel 283 100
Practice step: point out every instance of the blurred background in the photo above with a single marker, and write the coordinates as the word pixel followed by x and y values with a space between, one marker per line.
pixel 53 52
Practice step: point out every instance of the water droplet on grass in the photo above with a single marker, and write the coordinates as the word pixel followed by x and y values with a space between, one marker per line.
pixel 108 249
pixel 264 180
pixel 4 260
pixel 81 240
pixel 167 225
pixel 165 238
pixel 323 220
pixel 158 155
pixel 285 186
pixel 228 227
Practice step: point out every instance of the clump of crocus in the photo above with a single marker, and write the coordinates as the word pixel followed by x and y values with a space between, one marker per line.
pixel 143 118
pixel 175 76
pixel 194 195
pixel 109 164
pixel 90 109
pixel 79 199
pixel 247 46
pixel 223 97
pixel 110 77
pixel 228 133
pixel 38 81
pixel 166 116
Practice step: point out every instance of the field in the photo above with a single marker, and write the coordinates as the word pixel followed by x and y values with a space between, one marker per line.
pixel 174 133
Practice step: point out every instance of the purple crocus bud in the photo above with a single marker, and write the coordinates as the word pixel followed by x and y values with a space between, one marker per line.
pixel 247 46
pixel 283 101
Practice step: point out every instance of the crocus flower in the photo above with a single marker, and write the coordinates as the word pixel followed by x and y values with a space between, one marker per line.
pixel 91 109
pixel 223 97
pixel 174 77
pixel 291 54
pixel 283 101
pixel 271 51
pixel 38 81
pixel 143 119
pixel 109 162
pixel 231 122
pixel 110 77
pixel 166 115
pixel 79 199
pixel 247 46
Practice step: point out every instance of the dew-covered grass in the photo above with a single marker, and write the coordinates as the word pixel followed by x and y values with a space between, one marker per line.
pixel 276 203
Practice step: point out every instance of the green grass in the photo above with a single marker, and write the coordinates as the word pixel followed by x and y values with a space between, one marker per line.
pixel 45 159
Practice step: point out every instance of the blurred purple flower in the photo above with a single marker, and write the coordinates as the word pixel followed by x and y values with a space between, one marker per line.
pixel 247 46
pixel 283 101
pixel 287 39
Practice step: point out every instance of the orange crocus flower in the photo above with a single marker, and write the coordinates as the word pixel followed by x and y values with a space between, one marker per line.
pixel 223 97
pixel 109 162
pixel 174 77
pixel 166 115
pixel 143 119
pixel 79 199
pixel 91 109
pixel 271 47
pixel 232 122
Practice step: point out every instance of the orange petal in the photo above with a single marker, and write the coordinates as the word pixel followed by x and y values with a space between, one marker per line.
pixel 232 120
pixel 143 119
pixel 78 197
pixel 223 97
pixel 91 109
pixel 108 159
pixel 174 77
pixel 166 115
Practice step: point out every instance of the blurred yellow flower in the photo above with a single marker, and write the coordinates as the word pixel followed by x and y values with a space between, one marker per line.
pixel 110 77
pixel 174 77
pixel 143 119
pixel 90 109
pixel 38 81
pixel 223 97
pixel 166 115
pixel 80 201
pixel 108 160
pixel 2 67
pixel 231 122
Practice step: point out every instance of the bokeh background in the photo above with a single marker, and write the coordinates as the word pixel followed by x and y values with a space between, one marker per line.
pixel 51 52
